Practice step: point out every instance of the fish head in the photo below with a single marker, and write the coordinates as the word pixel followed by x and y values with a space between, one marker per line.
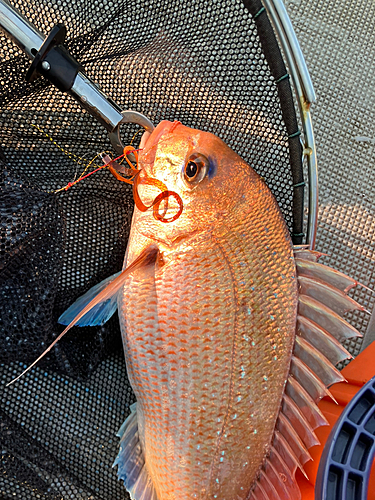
pixel 212 183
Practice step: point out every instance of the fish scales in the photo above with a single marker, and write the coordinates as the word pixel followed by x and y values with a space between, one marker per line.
pixel 208 331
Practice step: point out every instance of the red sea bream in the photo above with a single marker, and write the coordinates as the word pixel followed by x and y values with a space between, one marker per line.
pixel 229 332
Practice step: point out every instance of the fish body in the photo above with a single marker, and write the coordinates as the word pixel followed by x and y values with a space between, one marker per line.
pixel 230 333
pixel 209 329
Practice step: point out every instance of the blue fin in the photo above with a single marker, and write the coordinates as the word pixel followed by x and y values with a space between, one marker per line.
pixel 131 463
pixel 100 302
pixel 99 314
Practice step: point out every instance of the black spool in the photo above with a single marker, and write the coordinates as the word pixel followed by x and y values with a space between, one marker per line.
pixel 345 465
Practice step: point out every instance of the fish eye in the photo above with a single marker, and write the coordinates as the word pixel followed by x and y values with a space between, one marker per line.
pixel 191 170
pixel 195 170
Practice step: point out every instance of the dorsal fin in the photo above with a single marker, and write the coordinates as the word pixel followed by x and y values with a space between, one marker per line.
pixel 322 302
pixel 299 422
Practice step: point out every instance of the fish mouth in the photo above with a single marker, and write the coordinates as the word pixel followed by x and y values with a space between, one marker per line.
pixel 150 192
pixel 149 141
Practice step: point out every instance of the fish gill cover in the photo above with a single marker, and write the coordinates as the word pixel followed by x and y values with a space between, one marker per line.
pixel 199 62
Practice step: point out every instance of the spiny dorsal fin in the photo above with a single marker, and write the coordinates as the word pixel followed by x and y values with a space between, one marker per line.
pixel 323 341
pixel 332 297
pixel 319 364
pixel 326 318
pixel 324 273
pixel 322 302
pixel 299 422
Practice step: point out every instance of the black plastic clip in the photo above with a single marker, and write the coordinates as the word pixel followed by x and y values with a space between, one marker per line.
pixel 54 62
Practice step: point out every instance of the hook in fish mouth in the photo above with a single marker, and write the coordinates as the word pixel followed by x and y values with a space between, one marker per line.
pixel 135 179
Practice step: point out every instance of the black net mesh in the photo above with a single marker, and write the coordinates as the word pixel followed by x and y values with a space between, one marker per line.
pixel 211 65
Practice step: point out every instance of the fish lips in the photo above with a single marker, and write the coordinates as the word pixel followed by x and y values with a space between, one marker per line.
pixel 149 141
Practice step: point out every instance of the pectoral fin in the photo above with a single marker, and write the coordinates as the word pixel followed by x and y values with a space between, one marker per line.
pixel 107 290
pixel 100 313
pixel 96 309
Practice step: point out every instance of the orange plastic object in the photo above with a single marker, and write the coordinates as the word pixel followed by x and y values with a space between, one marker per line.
pixel 357 373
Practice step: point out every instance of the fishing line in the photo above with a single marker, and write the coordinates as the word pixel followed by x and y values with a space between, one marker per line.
pixel 133 172
pixel 71 155
pixel 82 161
